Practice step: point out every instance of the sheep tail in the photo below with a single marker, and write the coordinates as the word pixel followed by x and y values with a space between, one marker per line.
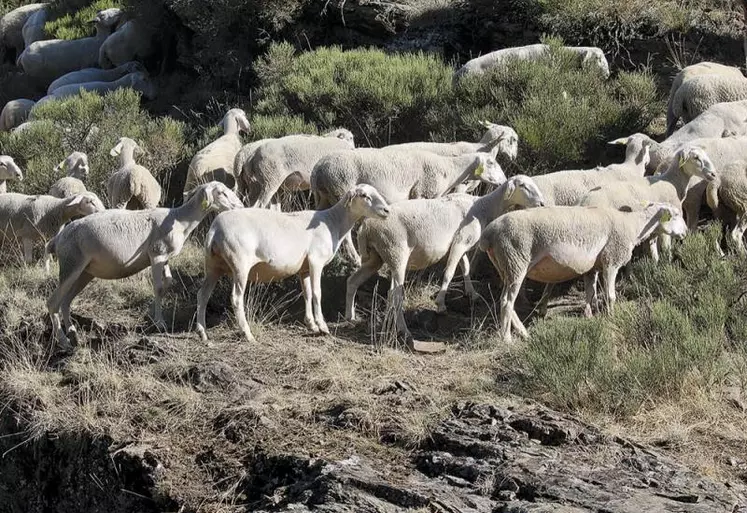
pixel 712 195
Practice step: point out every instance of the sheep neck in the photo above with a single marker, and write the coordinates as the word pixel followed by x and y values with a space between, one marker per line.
pixel 678 178
pixel 127 156
pixel 189 215
pixel 3 186
pixel 339 220
pixel 231 126
pixel 491 206
pixel 459 172
pixel 644 224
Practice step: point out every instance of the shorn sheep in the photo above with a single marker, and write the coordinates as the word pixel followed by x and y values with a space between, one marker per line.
pixel 94 75
pixel 15 113
pixel 587 56
pixel 730 192
pixel 687 73
pixel 264 245
pixel 131 185
pixel 557 244
pixel 33 29
pixel 9 171
pixel 11 27
pixel 215 161
pixel 698 94
pixel 119 243
pixel 76 169
pixel 131 41
pixel 138 80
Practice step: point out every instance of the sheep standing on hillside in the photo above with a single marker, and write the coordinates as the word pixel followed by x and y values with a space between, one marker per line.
pixel 288 162
pixel 11 27
pixel 687 73
pixel 698 94
pixel 15 113
pixel 50 59
pixel 9 171
pixel 587 56
pixel 86 75
pixel 215 161
pixel 133 40
pixel 557 244
pixel 76 169
pixel 263 245
pixel 131 185
pixel 33 29
pixel 119 243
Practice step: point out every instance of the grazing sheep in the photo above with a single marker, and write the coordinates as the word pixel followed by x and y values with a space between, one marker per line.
pixel 215 161
pixel 119 243
pixel 87 75
pixel 50 59
pixel 129 42
pixel 698 94
pixel 11 27
pixel 687 73
pixel 9 170
pixel 131 185
pixel 139 81
pixel 557 244
pixel 518 192
pixel 288 162
pixel 76 170
pixel 15 113
pixel 263 245
pixel 33 29
pixel 586 56
pixel 730 192
pixel 32 218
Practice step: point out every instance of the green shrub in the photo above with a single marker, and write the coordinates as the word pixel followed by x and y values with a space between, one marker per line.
pixel 69 19
pixel 68 125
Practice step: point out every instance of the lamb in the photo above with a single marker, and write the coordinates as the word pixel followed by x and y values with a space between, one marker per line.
pixel 419 233
pixel 15 113
pixel 687 73
pixel 697 94
pixel 586 56
pixel 215 161
pixel 519 192
pixel 119 243
pixel 87 75
pixel 133 40
pixel 138 80
pixel 32 218
pixel 50 59
pixel 11 27
pixel 288 160
pixel 264 245
pixel 9 170
pixel 76 168
pixel 556 244
pixel 33 29
pixel 730 192
pixel 131 185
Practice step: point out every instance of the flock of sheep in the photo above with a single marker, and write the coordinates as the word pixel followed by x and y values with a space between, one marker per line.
pixel 410 205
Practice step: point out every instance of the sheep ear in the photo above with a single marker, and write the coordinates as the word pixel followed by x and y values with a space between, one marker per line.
pixel 244 124
pixel 510 189
pixel 623 141
pixel 59 167
pixel 116 150
pixel 76 200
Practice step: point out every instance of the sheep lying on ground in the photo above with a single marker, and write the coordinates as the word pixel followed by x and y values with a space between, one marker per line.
pixel 730 192
pixel 131 185
pixel 263 245
pixel 586 55
pixel 11 27
pixel 32 218
pixel 76 169
pixel 87 75
pixel 215 161
pixel 50 59
pixel 130 41
pixel 698 94
pixel 692 71
pixel 119 243
pixel 288 162
pixel 15 113
pixel 9 170
pixel 556 244
pixel 139 81
pixel 33 29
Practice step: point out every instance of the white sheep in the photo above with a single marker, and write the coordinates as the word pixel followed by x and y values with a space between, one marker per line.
pixel 9 170
pixel 52 58
pixel 692 71
pixel 76 169
pixel 699 93
pixel 586 56
pixel 288 161
pixel 139 81
pixel 264 245
pixel 119 243
pixel 11 27
pixel 86 75
pixel 730 192
pixel 32 218
pixel 215 161
pixel 33 29
pixel 557 244
pixel 15 113
pixel 129 42
pixel 131 184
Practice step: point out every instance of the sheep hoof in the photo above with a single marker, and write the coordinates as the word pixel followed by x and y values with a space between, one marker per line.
pixel 587 312
pixel 249 337
pixel 311 325
pixel 72 337
pixel 202 333
pixel 324 329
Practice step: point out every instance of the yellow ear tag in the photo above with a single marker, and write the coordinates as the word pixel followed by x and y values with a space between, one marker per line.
pixel 480 170
pixel 205 204
pixel 666 216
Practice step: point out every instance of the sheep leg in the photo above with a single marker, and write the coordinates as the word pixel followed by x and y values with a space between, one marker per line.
pixel 610 277
pixel 737 234
pixel 203 296
pixel 396 297
pixel 367 269
pixel 157 272
pixel 75 288
pixel 518 325
pixel 545 299
pixel 590 287
pixel 67 278
pixel 463 241
pixel 653 248
pixel 237 299
pixel 28 250
pixel 307 296
pixel 508 299
pixel 352 253
pixel 315 269
pixel 167 277
pixel 469 289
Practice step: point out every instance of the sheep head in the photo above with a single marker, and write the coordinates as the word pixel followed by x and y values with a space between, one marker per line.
pixel 670 220
pixel 488 170
pixel 9 170
pixel 693 161
pixel 75 165
pixel 522 191
pixel 364 200
pixel 502 138
pixel 344 135
pixel 84 204
pixel 214 197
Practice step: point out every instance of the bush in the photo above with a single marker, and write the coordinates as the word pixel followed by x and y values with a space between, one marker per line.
pixel 68 125
pixel 69 19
